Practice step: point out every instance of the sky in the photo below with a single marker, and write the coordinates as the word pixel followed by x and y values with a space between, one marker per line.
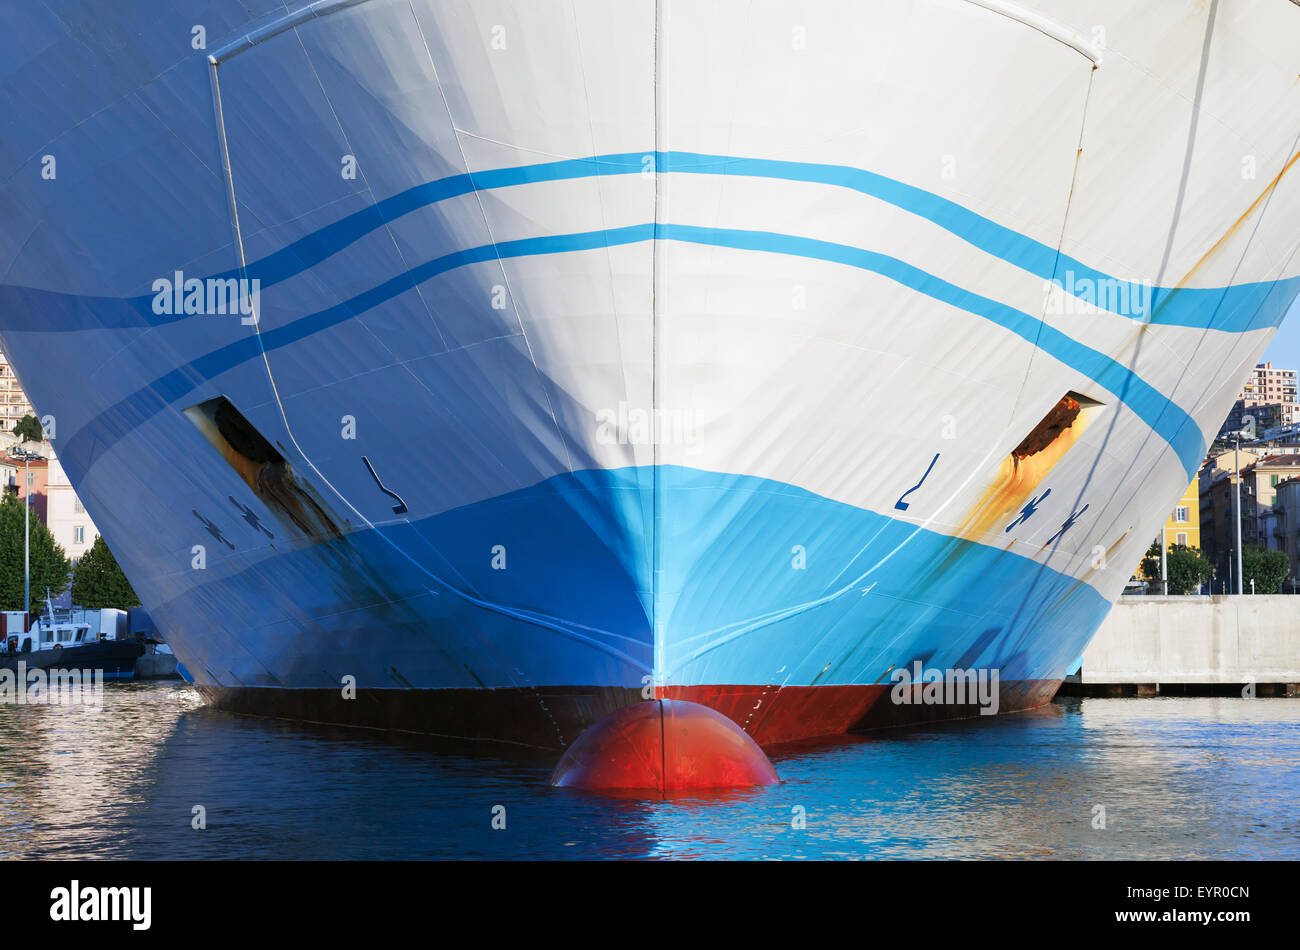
pixel 1284 351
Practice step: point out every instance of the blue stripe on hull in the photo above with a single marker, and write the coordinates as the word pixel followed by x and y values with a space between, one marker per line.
pixel 1234 309
pixel 1165 417
pixel 423 606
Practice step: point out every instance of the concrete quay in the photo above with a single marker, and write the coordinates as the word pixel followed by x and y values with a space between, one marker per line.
pixel 1196 645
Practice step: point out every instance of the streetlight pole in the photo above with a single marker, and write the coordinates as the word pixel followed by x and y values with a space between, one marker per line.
pixel 28 458
pixel 1164 573
pixel 1236 504
pixel 27 533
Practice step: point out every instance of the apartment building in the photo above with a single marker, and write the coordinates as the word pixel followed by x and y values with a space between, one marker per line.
pixel 65 514
pixel 1260 478
pixel 1184 523
pixel 1268 398
pixel 13 401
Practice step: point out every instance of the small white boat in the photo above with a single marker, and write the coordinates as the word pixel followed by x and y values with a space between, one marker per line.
pixel 69 638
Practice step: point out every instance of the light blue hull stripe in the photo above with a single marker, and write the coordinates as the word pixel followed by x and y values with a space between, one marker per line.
pixel 572 606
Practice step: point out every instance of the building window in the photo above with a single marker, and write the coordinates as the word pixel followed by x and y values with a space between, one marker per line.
pixel 1272 481
pixel 78 507
pixel 1180 514
pixel 79 535
pixel 1181 538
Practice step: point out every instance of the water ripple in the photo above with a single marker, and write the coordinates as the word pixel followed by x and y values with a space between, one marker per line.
pixel 1177 778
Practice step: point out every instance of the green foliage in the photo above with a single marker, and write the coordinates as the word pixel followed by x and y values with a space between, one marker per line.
pixel 1150 566
pixel 98 581
pixel 28 428
pixel 1267 568
pixel 1186 567
pixel 49 563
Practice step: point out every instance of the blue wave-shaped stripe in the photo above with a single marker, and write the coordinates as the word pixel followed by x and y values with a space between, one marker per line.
pixel 1169 420
pixel 1235 309
pixel 1163 415
pixel 28 309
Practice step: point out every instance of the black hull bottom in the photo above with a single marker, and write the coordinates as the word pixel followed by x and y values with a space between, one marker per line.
pixel 553 717
pixel 549 718
pixel 115 658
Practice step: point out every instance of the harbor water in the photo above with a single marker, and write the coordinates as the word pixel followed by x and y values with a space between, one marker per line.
pixel 155 774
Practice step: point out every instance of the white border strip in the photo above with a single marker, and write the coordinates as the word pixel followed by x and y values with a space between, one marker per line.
pixel 321 8
pixel 1045 26
pixel 287 22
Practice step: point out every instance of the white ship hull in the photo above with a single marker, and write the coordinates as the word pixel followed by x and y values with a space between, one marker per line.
pixel 698 346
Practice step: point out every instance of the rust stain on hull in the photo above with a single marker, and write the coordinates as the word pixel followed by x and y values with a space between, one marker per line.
pixel 1021 472
pixel 285 495
pixel 1235 226
pixel 1105 558
pixel 264 469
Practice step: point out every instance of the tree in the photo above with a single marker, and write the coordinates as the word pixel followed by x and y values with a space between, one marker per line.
pixel 1150 566
pixel 28 428
pixel 98 581
pixel 1268 569
pixel 1186 567
pixel 49 563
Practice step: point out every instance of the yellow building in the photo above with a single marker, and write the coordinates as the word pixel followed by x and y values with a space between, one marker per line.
pixel 1182 527
pixel 1184 524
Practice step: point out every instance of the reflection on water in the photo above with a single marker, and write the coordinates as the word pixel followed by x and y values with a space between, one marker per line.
pixel 1177 778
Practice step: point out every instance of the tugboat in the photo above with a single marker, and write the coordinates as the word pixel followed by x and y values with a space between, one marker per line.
pixel 63 639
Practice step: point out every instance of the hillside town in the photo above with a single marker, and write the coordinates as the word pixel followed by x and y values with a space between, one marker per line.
pixel 1257 449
